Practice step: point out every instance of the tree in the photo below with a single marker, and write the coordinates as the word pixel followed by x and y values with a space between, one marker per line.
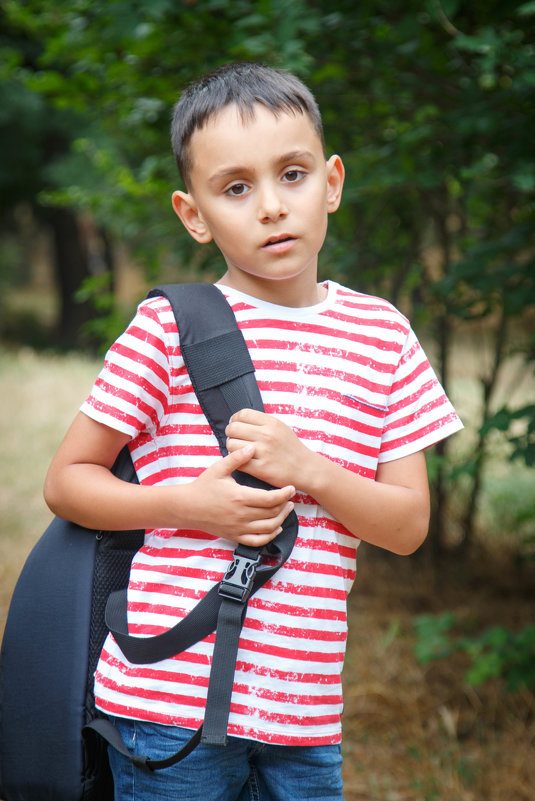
pixel 436 118
pixel 429 104
pixel 35 137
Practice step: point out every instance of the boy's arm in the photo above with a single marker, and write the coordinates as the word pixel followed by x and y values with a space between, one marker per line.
pixel 80 487
pixel 391 512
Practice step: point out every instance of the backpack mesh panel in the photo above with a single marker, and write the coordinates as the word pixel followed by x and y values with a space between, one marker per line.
pixel 114 555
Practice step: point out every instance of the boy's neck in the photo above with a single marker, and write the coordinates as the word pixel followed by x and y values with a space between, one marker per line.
pixel 292 293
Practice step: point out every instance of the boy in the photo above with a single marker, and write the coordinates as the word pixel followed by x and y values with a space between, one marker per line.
pixel 351 402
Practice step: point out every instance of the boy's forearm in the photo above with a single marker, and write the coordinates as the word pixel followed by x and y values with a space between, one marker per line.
pixel 391 512
pixel 91 496
pixel 389 515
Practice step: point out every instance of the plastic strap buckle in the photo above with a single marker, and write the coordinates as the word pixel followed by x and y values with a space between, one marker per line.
pixel 237 583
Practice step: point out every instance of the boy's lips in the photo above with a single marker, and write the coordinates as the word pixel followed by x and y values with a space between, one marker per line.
pixel 279 243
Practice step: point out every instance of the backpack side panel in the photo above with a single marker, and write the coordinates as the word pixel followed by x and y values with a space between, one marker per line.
pixel 53 637
pixel 43 669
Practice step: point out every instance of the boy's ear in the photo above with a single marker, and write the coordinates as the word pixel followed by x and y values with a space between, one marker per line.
pixel 186 208
pixel 335 182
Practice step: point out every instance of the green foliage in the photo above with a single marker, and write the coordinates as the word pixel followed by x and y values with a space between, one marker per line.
pixel 432 633
pixel 119 66
pixel 508 515
pixel 430 115
pixel 108 322
pixel 523 444
pixel 494 653
pixel 429 104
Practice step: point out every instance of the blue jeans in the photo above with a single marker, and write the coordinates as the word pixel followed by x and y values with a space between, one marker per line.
pixel 244 770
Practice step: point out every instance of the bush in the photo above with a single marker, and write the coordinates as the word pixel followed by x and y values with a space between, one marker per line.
pixel 496 652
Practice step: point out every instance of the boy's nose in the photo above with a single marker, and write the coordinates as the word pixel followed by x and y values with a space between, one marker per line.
pixel 271 206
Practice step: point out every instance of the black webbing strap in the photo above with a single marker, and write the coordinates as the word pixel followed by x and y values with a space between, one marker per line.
pixel 229 624
pixel 200 622
pixel 222 375
pixel 106 730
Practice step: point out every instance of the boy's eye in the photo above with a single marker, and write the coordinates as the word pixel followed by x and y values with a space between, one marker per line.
pixel 236 190
pixel 293 175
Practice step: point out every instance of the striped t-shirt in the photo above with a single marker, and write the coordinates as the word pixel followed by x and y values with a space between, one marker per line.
pixel 350 378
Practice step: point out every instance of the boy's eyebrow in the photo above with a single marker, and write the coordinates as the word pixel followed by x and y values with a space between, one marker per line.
pixel 297 155
pixel 293 155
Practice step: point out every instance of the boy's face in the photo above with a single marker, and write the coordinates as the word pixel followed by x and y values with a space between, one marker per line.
pixel 261 189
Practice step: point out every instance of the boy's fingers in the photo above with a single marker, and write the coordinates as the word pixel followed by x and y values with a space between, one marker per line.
pixel 271 499
pixel 261 514
pixel 262 527
pixel 263 530
pixel 234 460
pixel 251 416
pixel 266 529
pixel 257 540
pixel 247 425
pixel 258 497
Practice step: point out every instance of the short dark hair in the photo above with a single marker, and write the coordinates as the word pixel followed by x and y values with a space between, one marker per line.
pixel 243 84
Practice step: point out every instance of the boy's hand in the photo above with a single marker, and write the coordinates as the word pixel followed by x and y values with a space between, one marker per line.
pixel 279 457
pixel 242 514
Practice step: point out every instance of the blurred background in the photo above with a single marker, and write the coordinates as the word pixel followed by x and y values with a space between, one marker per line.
pixel 431 106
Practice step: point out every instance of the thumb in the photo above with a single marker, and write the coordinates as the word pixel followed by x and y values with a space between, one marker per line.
pixel 233 461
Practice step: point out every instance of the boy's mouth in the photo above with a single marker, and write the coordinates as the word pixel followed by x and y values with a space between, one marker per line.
pixel 280 243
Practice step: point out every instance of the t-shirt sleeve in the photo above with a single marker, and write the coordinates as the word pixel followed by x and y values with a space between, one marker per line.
pixel 419 412
pixel 132 390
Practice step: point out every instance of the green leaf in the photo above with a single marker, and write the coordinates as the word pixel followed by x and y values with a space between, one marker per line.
pixel 526 9
pixel 432 640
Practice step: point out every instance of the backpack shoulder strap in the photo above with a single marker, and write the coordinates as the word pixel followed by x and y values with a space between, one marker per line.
pixel 222 375
pixel 214 352
pixel 229 386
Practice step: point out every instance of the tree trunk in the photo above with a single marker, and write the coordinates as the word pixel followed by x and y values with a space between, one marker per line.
pixel 71 265
pixel 488 385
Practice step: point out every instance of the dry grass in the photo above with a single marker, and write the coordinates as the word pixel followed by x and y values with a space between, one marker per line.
pixel 420 733
pixel 40 396
pixel 411 732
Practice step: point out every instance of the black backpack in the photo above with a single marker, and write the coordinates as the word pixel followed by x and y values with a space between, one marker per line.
pixel 71 591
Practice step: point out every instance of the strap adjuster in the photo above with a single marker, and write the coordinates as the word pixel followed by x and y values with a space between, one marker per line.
pixel 237 583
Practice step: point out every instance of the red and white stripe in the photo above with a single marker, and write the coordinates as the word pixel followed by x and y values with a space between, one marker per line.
pixel 350 378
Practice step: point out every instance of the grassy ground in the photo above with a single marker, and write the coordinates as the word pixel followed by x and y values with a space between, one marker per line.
pixel 411 732
pixel 420 733
pixel 40 396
